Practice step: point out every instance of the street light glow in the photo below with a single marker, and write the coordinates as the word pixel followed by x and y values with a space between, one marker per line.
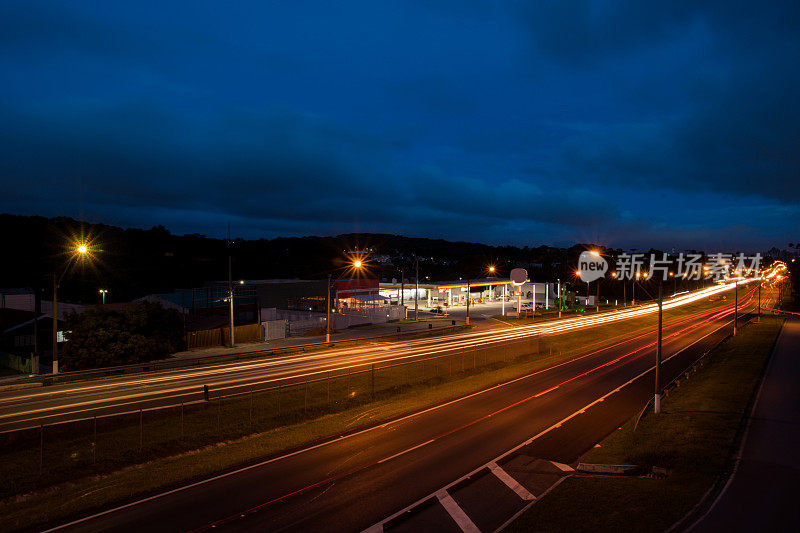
pixel 357 263
pixel 82 249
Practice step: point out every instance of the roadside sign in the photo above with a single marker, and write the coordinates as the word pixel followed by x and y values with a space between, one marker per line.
pixel 519 276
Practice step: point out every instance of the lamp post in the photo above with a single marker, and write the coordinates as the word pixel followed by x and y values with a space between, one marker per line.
pixel 736 307
pixel 759 300
pixel 416 288
pixel 468 302
pixel 103 293
pixel 356 265
pixel 560 303
pixel 80 251
pixel 657 399
pixel 597 298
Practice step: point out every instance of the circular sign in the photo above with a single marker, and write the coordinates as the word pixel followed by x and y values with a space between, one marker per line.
pixel 519 276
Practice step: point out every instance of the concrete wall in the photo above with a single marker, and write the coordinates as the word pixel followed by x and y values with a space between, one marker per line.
pixel 301 322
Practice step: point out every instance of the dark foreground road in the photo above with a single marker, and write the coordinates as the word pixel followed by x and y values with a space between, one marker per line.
pixel 762 493
pixel 351 483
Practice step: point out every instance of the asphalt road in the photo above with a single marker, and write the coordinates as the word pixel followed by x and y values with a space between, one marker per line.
pixel 350 483
pixel 762 493
pixel 31 407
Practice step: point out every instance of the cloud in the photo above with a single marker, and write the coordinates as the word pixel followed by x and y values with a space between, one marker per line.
pixel 552 122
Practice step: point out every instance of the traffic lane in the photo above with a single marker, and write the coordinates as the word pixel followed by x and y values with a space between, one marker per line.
pixel 250 487
pixel 200 376
pixel 54 409
pixel 141 380
pixel 379 444
pixel 425 470
pixel 110 402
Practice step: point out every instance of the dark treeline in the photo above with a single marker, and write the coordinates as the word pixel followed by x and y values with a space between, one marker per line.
pixel 135 262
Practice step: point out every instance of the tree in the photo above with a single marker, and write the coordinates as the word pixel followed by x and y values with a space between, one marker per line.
pixel 100 337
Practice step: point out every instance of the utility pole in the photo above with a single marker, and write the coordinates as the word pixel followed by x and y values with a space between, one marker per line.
pixel 55 324
pixel 230 297
pixel 759 300
pixel 657 399
pixel 468 302
pixel 416 288
pixel 736 308
pixel 402 288
pixel 328 310
pixel 560 302
pixel 597 298
pixel 230 286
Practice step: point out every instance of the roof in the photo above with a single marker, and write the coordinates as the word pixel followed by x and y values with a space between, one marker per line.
pixel 476 282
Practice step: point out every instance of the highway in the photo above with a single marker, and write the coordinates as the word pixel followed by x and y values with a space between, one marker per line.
pixel 355 481
pixel 75 400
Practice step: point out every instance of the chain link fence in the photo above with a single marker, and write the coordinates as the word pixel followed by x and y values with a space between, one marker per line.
pixel 53 453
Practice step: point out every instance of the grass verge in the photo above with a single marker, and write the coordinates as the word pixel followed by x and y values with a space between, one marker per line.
pixel 693 437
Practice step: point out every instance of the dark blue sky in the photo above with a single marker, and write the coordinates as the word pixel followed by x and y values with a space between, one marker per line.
pixel 531 123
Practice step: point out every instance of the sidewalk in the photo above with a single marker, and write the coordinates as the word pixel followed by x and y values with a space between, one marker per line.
pixel 761 495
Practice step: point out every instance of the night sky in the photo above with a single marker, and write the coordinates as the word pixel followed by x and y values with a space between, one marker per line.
pixel 629 124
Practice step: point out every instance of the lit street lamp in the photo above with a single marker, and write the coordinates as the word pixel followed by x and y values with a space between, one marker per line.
pixel 357 264
pixel 103 293
pixel 80 251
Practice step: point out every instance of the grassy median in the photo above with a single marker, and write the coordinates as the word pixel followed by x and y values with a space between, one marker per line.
pixel 693 437
pixel 84 472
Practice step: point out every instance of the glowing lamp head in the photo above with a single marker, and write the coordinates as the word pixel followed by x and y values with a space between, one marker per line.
pixel 82 249
pixel 595 253
pixel 491 269
pixel 357 263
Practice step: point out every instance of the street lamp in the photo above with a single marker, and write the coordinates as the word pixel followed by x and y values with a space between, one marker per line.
pixel 357 264
pixel 80 251
pixel 103 293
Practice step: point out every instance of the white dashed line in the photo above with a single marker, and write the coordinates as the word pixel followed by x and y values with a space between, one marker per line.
pixel 510 482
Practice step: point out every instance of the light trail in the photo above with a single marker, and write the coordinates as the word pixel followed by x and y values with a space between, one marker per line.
pixel 171 384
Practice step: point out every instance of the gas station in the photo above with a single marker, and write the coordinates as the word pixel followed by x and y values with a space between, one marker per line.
pixel 451 294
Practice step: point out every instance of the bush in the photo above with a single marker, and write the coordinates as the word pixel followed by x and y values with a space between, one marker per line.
pixel 100 337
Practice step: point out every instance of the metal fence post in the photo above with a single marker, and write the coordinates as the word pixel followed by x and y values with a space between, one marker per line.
pixel 372 382
pixel 328 386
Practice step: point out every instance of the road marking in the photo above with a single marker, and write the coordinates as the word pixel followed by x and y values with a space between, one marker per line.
pixel 548 430
pixel 563 467
pixel 398 454
pixel 366 430
pixel 456 512
pixel 510 482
